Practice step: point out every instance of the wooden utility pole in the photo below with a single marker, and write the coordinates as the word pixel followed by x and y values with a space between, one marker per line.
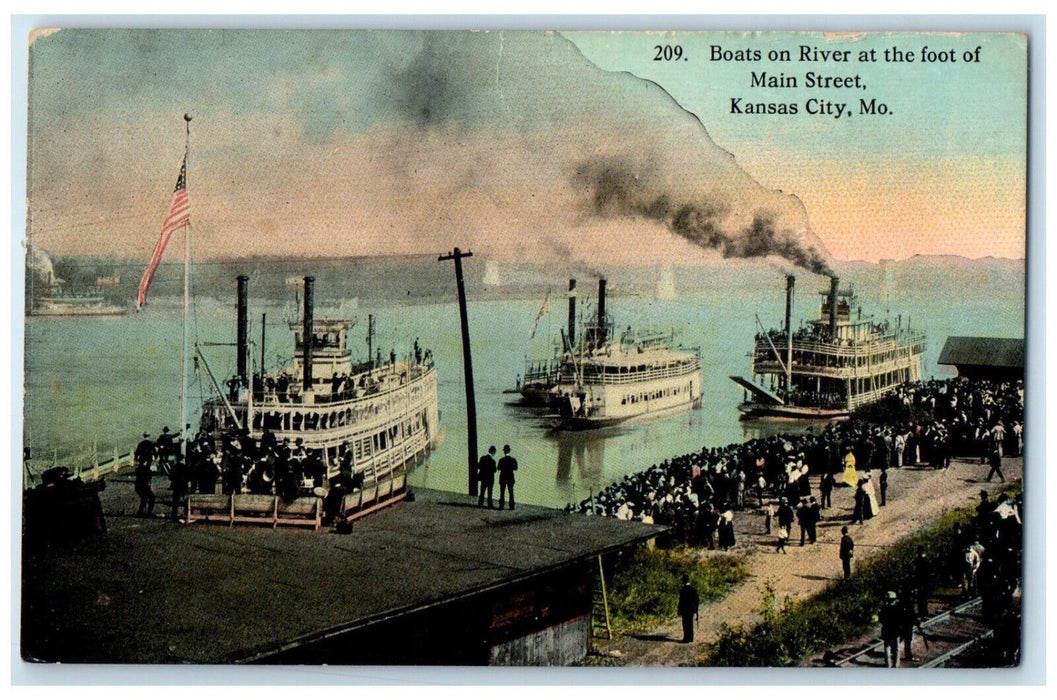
pixel 467 369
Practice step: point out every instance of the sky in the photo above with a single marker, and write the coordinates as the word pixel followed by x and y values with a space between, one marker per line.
pixel 523 146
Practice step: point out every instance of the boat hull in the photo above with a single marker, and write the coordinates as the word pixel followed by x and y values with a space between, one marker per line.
pixel 658 395
pixel 575 423
pixel 790 412
pixel 69 309
pixel 537 395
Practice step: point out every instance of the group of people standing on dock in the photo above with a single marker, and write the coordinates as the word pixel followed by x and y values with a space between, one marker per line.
pixel 238 463
pixel 487 467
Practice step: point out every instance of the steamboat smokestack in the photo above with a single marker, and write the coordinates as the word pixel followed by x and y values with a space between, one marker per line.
pixel 833 284
pixel 601 312
pixel 306 334
pixel 790 282
pixel 572 312
pixel 242 340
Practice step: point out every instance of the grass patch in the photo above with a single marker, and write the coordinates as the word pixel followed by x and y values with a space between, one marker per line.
pixel 644 584
pixel 791 630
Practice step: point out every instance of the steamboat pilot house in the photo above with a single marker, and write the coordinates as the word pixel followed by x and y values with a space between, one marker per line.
pixel 386 412
pixel 832 365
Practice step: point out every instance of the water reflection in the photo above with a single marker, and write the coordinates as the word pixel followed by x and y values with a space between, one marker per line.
pixel 581 460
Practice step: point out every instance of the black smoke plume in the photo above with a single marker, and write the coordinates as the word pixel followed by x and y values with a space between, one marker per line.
pixel 615 188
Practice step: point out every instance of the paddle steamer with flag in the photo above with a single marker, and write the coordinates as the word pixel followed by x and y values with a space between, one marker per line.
pixel 322 417
pixel 833 365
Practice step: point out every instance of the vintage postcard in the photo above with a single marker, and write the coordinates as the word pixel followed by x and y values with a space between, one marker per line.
pixel 525 348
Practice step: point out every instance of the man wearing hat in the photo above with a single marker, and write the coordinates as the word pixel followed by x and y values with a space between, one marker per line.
pixel 891 618
pixel 847 547
pixel 486 477
pixel 144 456
pixel 689 602
pixel 802 516
pixel 145 450
pixel 507 466
pixel 814 514
pixel 785 515
pixel 165 448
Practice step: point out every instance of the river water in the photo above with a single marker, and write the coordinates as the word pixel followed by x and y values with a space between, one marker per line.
pixel 100 383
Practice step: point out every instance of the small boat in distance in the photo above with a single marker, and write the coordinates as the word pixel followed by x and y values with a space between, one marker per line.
pixel 603 380
pixel 833 365
pixel 48 295
pixel 63 304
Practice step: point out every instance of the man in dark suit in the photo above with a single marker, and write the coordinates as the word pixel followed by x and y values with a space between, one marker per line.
pixel 486 477
pixel 507 467
pixel 688 608
pixel 847 547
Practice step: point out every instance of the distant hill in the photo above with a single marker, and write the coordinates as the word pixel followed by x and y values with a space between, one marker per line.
pixel 421 278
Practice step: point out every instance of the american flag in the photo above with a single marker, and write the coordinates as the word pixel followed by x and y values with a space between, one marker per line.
pixel 179 216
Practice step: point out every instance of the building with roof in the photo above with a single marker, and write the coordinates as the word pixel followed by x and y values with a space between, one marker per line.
pixel 998 359
pixel 434 580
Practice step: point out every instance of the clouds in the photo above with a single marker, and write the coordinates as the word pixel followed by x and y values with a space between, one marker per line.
pixel 360 143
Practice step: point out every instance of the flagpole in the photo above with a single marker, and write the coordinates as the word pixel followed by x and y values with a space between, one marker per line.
pixel 187 285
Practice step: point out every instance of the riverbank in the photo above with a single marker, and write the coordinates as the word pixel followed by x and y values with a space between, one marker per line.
pixel 917 496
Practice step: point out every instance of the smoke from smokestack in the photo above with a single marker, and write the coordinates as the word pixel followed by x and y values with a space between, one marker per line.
pixel 615 190
pixel 422 140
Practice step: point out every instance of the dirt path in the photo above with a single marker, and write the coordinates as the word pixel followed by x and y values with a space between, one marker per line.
pixel 916 497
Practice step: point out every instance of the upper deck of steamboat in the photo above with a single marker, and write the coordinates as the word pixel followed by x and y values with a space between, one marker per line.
pixel 620 364
pixel 836 340
pixel 338 396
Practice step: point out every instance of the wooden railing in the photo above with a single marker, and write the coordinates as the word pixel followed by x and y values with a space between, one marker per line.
pixel 634 376
pixel 304 511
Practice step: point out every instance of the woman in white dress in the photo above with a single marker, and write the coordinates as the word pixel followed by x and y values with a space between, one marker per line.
pixel 870 506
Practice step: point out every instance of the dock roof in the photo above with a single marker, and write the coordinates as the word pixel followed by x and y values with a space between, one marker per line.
pixel 153 591
pixel 983 352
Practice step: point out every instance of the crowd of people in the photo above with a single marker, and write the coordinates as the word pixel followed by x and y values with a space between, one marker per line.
pixel 241 464
pixel 985 559
pixel 698 495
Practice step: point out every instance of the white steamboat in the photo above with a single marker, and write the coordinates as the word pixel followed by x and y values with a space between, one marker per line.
pixel 386 413
pixel 833 365
pixel 603 381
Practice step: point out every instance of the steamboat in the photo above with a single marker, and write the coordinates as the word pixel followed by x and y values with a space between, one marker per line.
pixel 832 365
pixel 384 414
pixel 64 304
pixel 49 296
pixel 603 381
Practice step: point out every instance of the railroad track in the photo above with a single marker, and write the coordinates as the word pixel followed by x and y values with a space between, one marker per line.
pixel 947 635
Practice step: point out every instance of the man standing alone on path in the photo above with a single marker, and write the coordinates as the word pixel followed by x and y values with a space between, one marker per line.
pixel 688 608
pixel 847 546
pixel 825 489
pixel 486 477
pixel 507 467
pixel 995 459
pixel 884 484
pixel 922 581
pixel 891 627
